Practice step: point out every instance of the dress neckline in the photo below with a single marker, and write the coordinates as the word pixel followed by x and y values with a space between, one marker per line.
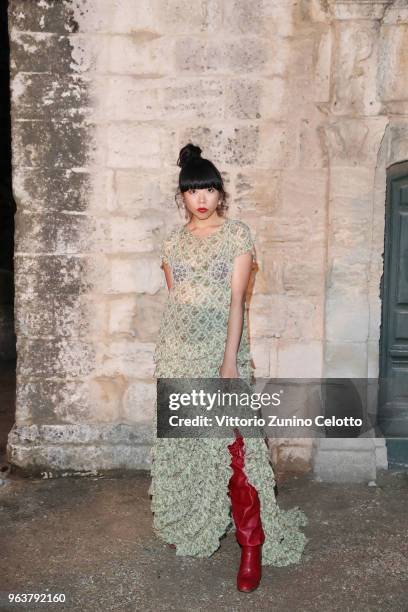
pixel 190 233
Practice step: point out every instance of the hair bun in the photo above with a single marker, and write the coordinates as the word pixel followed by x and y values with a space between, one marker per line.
pixel 187 153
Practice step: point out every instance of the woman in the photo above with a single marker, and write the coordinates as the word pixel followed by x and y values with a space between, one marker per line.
pixel 197 483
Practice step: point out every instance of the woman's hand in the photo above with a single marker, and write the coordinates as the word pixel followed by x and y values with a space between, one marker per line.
pixel 229 370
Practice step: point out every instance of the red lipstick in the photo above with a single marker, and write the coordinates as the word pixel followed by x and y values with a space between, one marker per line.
pixel 202 210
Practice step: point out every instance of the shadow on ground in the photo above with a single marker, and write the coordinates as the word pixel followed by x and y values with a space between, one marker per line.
pixel 91 538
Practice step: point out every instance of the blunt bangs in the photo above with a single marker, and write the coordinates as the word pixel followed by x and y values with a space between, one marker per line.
pixel 200 174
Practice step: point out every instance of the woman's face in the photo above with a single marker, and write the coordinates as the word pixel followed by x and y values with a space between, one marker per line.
pixel 202 202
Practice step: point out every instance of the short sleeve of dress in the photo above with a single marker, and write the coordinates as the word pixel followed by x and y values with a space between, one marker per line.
pixel 242 240
pixel 164 251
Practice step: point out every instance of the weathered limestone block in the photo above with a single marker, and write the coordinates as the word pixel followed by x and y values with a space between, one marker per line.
pixel 267 316
pixel 291 455
pixel 317 11
pixel 132 145
pixel 277 17
pixel 127 235
pixel 347 317
pixel 273 98
pixel 7 326
pixel 32 52
pixel 143 52
pixel 304 201
pixel 242 16
pixel 323 65
pixel 260 356
pixel 300 359
pixel 43 96
pixel 193 99
pixel 64 450
pixel 397 142
pixel 258 191
pixel 119 17
pixel 130 274
pixel 358 9
pixel 51 16
pixel 348 269
pixel 39 190
pixel 54 233
pixel 373 359
pixel 282 231
pixel 139 402
pixel 268 277
pixel 43 144
pixel 70 401
pixel 220 55
pixel 60 284
pixel 277 146
pixel 286 316
pixel 355 69
pixel 77 316
pixel 273 357
pixel 46 276
pixel 345 460
pixel 355 142
pixel 305 276
pixel 177 17
pixel 348 249
pixel 225 144
pixel 131 98
pixel 312 153
pixel 392 69
pixel 346 359
pixel 134 192
pixel 137 316
pixel 350 226
pixel 381 458
pixel 121 315
pixel 168 18
pixel 61 357
pixel 128 98
pixel 242 99
pixel 126 358
pixel 396 13
pixel 351 182
pixel 355 209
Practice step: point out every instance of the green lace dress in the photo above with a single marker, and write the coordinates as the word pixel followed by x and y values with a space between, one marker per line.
pixel 189 486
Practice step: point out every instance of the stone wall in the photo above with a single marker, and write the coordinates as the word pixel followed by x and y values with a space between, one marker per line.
pixel 293 100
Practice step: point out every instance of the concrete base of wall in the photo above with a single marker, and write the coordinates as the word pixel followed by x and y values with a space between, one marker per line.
pixel 349 459
pixel 65 450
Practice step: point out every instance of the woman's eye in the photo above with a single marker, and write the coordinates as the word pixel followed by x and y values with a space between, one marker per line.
pixel 192 190
pixel 211 189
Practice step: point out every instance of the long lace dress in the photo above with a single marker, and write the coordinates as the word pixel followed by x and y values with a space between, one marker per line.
pixel 190 475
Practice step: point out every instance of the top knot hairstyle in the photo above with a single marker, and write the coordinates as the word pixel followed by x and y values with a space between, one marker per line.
pixel 199 173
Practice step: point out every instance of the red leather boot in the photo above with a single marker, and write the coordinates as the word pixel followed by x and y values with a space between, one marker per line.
pixel 245 507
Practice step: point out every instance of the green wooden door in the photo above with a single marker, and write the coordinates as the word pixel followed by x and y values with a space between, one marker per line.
pixel 393 396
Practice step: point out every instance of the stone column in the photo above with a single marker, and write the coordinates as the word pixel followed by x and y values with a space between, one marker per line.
pixel 84 389
pixel 355 130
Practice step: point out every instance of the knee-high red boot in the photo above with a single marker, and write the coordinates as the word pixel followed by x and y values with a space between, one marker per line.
pixel 246 514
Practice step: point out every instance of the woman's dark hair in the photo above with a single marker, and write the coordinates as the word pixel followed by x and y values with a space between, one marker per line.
pixel 199 173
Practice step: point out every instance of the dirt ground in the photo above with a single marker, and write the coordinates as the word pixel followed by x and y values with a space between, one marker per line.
pixel 92 539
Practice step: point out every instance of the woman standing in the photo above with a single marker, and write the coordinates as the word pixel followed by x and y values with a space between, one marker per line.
pixel 197 483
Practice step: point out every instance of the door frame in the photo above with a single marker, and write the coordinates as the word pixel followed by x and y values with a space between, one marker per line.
pixel 397 448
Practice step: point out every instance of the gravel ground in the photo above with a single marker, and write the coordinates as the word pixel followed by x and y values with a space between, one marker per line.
pixel 91 538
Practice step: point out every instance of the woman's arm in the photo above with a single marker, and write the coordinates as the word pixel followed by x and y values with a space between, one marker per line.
pixel 239 284
pixel 167 274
